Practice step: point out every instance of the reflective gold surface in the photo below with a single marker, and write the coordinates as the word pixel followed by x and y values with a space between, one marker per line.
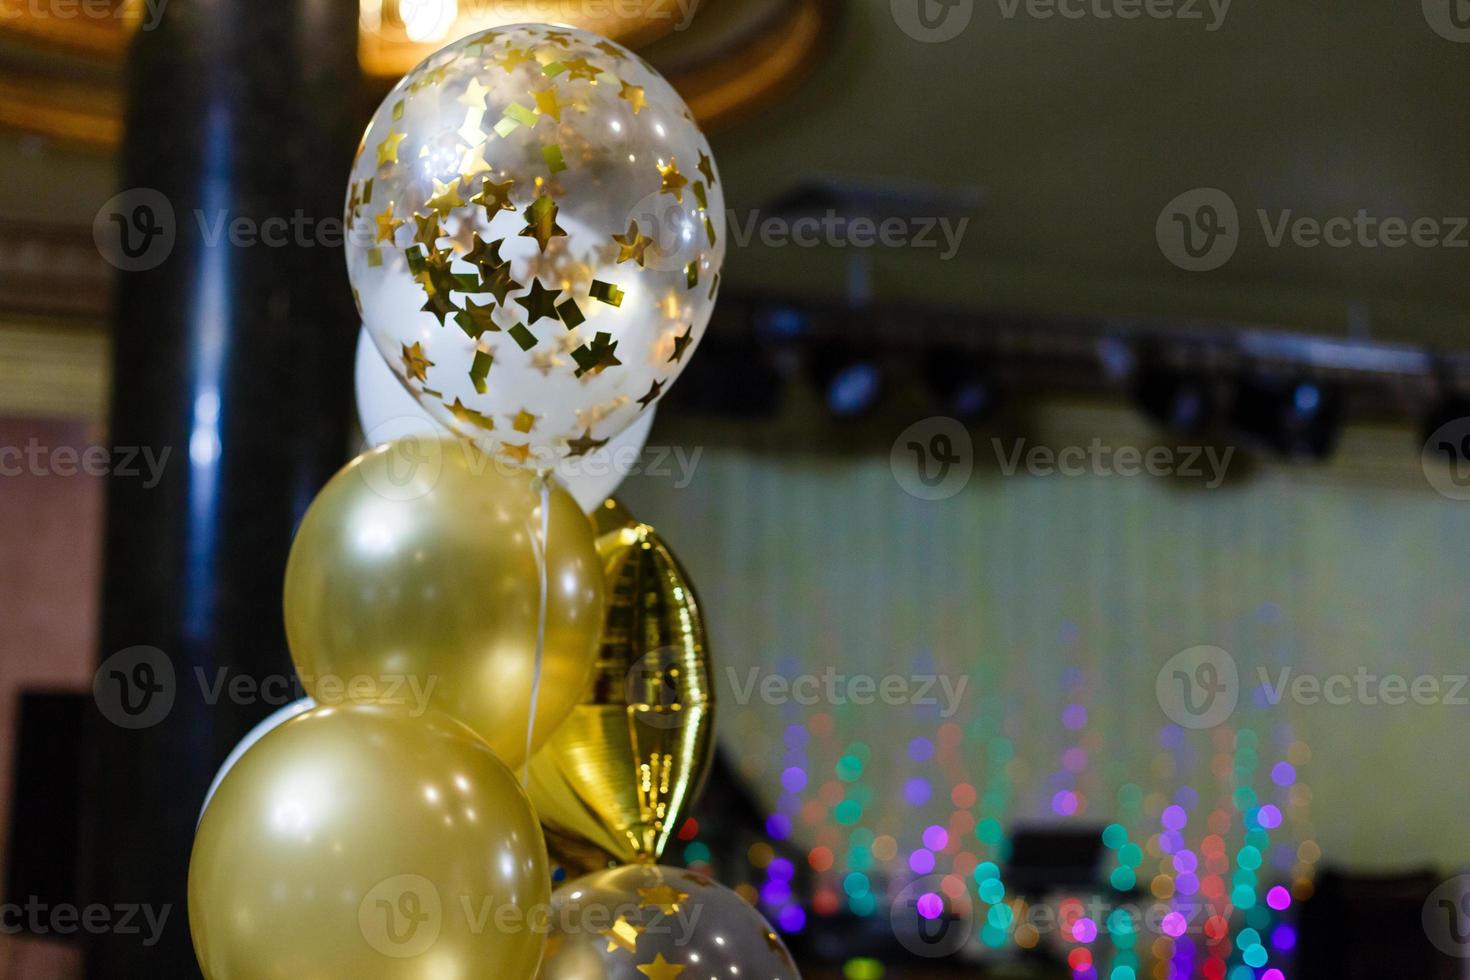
pixel 642 921
pixel 414 579
pixel 357 842
pixel 619 776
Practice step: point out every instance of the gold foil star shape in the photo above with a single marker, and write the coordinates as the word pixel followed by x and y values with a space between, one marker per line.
pixel 681 343
pixel 446 197
pixel 580 68
pixel 674 182
pixel 439 304
pixel 634 96
pixel 520 453
pixel 415 363
pixel 633 245
pixel 485 256
pixel 547 104
pixel 387 224
pixel 475 320
pixel 513 59
pixel 474 94
pixel 654 390
pixel 540 303
pixel 623 935
pixel 523 421
pixel 581 446
pixel 660 969
pixel 469 416
pixel 426 229
pixel 707 167
pixel 547 360
pixel 602 355
pixel 609 49
pixel 500 283
pixel 388 149
pixel 494 197
pixel 541 222
pixel 663 897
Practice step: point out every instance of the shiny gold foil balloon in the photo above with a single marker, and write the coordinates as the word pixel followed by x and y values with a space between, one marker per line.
pixel 414 580
pixel 356 842
pixel 621 773
pixel 644 922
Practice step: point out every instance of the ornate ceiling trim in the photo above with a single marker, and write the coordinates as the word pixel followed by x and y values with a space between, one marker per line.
pixel 731 74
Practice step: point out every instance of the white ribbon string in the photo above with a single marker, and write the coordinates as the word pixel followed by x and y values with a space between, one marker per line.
pixel 545 482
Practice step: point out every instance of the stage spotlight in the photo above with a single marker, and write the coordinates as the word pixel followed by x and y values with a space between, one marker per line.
pixel 851 384
pixel 1178 401
pixel 781 323
pixel 962 384
pixel 1298 417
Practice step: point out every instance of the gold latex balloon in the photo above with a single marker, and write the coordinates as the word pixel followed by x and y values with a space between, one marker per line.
pixel 356 841
pixel 621 773
pixel 414 580
pixel 645 921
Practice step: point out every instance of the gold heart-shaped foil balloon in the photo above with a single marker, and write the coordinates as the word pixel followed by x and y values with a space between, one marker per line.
pixel 619 776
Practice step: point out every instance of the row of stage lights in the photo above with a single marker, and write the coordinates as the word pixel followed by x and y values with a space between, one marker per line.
pixel 1294 412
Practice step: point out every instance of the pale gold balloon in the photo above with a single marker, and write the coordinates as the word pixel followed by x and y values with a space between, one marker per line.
pixel 622 772
pixel 414 580
pixel 356 842
pixel 643 921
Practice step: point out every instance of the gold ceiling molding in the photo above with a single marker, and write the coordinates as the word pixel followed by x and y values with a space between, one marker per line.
pixel 99 28
pixel 763 66
pixel 88 116
pixel 389 47
pixel 727 57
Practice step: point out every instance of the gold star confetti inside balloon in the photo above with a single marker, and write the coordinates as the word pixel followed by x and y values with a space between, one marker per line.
pixel 649 921
pixel 537 226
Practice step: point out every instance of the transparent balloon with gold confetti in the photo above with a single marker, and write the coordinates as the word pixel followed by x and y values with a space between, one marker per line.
pixel 650 922
pixel 536 229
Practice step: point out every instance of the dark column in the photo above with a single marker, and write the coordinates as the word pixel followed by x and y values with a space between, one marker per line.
pixel 234 354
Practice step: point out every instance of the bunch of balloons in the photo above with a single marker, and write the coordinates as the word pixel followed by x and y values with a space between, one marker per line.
pixel 537 228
